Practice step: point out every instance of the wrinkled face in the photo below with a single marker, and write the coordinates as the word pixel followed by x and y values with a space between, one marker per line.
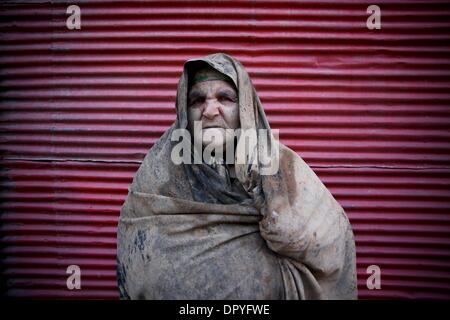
pixel 215 103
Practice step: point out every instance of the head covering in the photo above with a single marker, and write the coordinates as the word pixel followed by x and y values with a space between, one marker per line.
pixel 186 232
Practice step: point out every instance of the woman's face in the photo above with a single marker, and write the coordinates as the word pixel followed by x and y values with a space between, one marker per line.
pixel 215 104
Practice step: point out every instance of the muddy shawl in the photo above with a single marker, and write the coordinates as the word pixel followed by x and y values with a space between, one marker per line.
pixel 187 233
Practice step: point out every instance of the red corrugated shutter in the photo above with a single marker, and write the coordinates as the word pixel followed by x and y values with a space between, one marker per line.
pixel 368 110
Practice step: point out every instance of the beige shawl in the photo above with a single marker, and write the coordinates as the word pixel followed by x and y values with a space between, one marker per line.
pixel 186 233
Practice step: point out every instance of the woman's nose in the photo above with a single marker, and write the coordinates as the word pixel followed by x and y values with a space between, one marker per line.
pixel 211 109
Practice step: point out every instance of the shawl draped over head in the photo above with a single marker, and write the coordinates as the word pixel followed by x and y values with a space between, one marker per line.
pixel 187 232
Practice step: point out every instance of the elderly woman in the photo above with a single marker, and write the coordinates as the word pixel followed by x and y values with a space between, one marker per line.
pixel 221 230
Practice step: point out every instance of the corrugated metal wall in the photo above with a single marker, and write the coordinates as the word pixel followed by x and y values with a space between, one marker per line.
pixel 369 110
